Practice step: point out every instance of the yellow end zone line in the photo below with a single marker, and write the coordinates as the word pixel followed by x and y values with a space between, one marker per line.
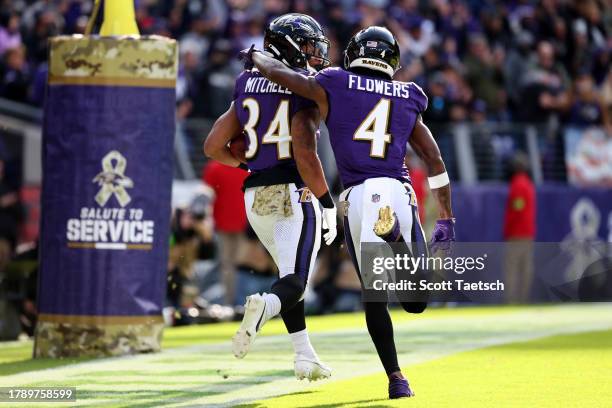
pixel 112 81
pixel 109 245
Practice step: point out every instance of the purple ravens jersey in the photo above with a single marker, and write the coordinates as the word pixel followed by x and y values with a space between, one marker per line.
pixel 265 109
pixel 370 120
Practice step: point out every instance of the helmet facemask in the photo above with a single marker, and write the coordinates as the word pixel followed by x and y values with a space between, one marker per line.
pixel 316 52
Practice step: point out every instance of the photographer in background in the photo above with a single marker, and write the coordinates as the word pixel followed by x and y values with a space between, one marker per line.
pixel 191 239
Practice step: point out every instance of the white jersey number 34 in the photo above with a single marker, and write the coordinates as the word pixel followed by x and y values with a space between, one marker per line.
pixel 278 131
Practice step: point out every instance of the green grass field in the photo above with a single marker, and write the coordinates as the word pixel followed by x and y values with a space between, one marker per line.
pixel 466 357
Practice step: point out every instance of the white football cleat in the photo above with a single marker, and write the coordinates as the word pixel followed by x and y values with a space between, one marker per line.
pixel 310 368
pixel 253 320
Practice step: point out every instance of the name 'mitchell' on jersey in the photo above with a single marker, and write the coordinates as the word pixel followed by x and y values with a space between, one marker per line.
pixel 265 109
pixel 370 120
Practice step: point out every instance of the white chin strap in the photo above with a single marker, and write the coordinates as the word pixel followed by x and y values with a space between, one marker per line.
pixel 374 64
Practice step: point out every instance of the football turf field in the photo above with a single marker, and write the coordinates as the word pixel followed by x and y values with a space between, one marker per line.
pixel 463 357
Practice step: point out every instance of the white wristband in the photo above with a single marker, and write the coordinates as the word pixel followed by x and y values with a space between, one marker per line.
pixel 438 181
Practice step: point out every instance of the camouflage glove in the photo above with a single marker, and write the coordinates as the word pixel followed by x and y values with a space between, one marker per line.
pixel 442 236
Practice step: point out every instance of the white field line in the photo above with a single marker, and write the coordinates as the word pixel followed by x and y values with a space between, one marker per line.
pixel 213 377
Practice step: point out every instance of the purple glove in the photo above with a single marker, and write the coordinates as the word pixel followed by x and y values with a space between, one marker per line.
pixel 246 56
pixel 442 236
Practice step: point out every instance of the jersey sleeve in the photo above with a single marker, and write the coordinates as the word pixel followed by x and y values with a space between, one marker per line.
pixel 238 85
pixel 300 103
pixel 329 78
pixel 418 96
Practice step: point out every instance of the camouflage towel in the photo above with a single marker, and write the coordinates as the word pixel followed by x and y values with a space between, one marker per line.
pixel 273 200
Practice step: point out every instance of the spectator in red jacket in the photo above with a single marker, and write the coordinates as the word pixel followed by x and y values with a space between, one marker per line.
pixel 519 232
pixel 418 178
pixel 230 217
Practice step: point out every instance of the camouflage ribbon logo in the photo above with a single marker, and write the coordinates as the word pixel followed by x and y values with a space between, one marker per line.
pixel 112 179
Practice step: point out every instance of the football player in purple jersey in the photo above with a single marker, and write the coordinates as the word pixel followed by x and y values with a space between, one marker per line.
pixel 371 119
pixel 286 196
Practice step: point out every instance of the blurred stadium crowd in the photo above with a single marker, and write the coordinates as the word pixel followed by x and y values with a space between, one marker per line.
pixel 478 59
pixel 480 62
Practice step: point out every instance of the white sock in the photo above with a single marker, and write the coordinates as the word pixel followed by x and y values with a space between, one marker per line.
pixel 273 305
pixel 301 344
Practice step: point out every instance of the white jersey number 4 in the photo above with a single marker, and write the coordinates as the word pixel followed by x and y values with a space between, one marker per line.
pixel 375 129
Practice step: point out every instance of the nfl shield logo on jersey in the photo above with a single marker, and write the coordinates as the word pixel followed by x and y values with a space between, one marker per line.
pixel 375 198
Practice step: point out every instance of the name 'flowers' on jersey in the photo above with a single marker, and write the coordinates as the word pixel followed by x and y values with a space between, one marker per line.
pixel 380 86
